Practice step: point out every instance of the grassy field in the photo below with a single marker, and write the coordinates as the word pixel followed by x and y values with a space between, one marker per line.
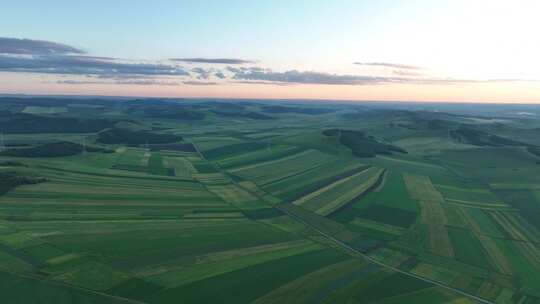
pixel 238 216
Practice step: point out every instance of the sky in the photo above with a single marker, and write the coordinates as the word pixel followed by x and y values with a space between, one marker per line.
pixel 415 50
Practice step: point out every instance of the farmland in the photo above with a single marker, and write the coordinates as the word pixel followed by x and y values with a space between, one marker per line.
pixel 189 201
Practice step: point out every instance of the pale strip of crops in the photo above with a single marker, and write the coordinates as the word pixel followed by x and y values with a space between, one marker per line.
pixel 389 257
pixel 432 212
pixel 235 196
pixel 182 167
pixel 229 254
pixel 525 227
pixel 495 253
pixel 314 194
pixel 383 181
pixel 182 226
pixel 373 173
pixel 251 186
pixel 441 274
pixel 211 178
pixel 285 223
pixel 145 159
pixel 298 182
pixel 509 227
pixel 63 258
pixel 369 224
pixel 284 167
pixel 51 188
pixel 527 248
pixel 490 247
pixel 478 205
pixel 515 186
pixel 214 215
pixel 304 288
pixel 173 275
pixel 411 162
pixel 474 190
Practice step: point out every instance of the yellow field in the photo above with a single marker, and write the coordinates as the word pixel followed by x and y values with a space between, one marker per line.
pixel 432 213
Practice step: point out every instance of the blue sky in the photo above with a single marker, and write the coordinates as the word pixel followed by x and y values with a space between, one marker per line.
pixel 268 29
pixel 459 43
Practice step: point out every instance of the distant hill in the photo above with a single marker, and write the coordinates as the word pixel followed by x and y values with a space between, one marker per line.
pixel 30 123
pixel 481 138
pixel 362 145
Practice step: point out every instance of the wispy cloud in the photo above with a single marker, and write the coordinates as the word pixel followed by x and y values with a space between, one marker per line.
pixel 85 65
pixel 202 73
pixel 200 83
pixel 80 82
pixel 295 76
pixel 261 82
pixel 146 82
pixel 266 76
pixel 389 65
pixel 220 75
pixel 35 47
pixel 213 60
pixel 406 73
pixel 74 66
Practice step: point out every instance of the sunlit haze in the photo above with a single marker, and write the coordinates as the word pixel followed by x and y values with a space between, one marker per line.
pixel 466 51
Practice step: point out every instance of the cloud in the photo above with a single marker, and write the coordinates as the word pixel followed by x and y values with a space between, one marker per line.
pixel 220 75
pixel 77 82
pixel 389 65
pixel 85 65
pixel 202 73
pixel 200 83
pixel 122 82
pixel 72 66
pixel 295 76
pixel 35 47
pixel 406 73
pixel 149 82
pixel 261 82
pixel 233 69
pixel 266 76
pixel 213 60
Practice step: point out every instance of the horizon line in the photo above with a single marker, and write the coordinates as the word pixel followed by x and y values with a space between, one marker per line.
pixel 337 100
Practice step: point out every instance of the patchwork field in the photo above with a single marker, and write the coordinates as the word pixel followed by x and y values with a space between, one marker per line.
pixel 253 202
pixel 432 213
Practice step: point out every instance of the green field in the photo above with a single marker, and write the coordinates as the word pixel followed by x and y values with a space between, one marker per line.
pixel 268 210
